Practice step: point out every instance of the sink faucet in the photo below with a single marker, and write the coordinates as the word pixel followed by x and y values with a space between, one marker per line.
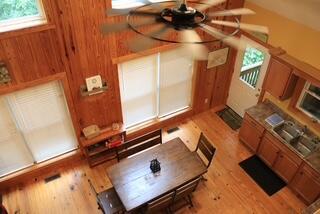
pixel 304 130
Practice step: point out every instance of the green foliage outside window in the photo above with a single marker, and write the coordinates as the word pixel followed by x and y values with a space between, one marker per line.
pixel 252 56
pixel 11 9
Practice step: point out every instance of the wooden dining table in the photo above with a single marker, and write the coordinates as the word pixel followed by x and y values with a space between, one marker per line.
pixel 136 185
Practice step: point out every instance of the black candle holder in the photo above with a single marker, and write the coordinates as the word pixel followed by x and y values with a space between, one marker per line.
pixel 155 165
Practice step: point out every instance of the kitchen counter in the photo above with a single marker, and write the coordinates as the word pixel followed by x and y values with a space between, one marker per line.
pixel 313 208
pixel 263 110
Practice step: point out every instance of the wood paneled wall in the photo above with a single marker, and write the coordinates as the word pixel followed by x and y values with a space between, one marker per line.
pixel 32 56
pixel 73 44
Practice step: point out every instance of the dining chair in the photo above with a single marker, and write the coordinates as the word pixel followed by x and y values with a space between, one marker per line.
pixel 139 144
pixel 160 204
pixel 185 192
pixel 207 149
pixel 108 201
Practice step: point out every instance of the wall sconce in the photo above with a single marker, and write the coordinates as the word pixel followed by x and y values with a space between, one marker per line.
pixel 4 74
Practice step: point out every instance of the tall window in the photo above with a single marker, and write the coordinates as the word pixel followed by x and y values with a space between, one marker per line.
pixel 35 126
pixel 16 14
pixel 122 4
pixel 155 86
pixel 309 101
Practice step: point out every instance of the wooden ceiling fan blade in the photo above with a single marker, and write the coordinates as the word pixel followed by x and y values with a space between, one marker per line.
pixel 119 12
pixel 233 12
pixel 250 27
pixel 190 46
pixel 142 43
pixel 114 28
pixel 207 4
pixel 118 27
pixel 145 13
pixel 230 40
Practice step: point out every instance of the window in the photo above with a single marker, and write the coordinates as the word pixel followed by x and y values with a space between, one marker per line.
pixel 251 65
pixel 155 86
pixel 139 89
pixel 16 14
pixel 309 101
pixel 35 126
pixel 123 4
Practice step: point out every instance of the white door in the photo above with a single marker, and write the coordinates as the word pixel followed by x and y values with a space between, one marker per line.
pixel 250 69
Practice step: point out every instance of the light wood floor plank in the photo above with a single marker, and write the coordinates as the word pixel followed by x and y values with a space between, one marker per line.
pixel 228 189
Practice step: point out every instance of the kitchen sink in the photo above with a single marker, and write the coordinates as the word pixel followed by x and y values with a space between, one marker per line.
pixel 304 145
pixel 296 138
pixel 287 131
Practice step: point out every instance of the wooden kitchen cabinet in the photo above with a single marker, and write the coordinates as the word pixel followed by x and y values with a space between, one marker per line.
pixel 280 80
pixel 285 167
pixel 307 183
pixel 251 132
pixel 268 151
pixel 281 159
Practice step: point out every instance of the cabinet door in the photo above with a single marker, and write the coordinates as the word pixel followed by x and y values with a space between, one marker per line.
pixel 250 133
pixel 279 79
pixel 285 167
pixel 306 185
pixel 268 151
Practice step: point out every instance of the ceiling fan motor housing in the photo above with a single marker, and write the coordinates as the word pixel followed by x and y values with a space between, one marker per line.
pixel 183 17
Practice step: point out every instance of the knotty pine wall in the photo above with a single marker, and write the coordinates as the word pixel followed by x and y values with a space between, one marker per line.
pixel 71 43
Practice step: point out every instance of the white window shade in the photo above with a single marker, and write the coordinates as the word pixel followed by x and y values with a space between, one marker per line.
pixel 176 72
pixel 138 82
pixel 42 116
pixel 14 154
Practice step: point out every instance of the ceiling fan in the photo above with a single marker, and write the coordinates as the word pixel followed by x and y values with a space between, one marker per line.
pixel 158 21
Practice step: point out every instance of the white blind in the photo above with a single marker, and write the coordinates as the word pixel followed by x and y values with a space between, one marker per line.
pixel 42 116
pixel 175 82
pixel 14 154
pixel 138 82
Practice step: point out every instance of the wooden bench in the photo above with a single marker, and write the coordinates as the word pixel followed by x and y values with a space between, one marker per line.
pixel 139 144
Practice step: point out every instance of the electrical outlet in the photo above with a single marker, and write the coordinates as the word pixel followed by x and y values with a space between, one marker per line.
pixel 206 100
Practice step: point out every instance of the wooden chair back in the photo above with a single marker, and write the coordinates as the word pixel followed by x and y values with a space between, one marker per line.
pixel 108 200
pixel 139 144
pixel 187 189
pixel 160 203
pixel 206 148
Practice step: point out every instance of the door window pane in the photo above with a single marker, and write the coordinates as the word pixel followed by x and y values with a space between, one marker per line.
pixel 251 65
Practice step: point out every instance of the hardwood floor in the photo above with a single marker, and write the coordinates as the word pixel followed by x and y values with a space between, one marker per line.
pixel 228 189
